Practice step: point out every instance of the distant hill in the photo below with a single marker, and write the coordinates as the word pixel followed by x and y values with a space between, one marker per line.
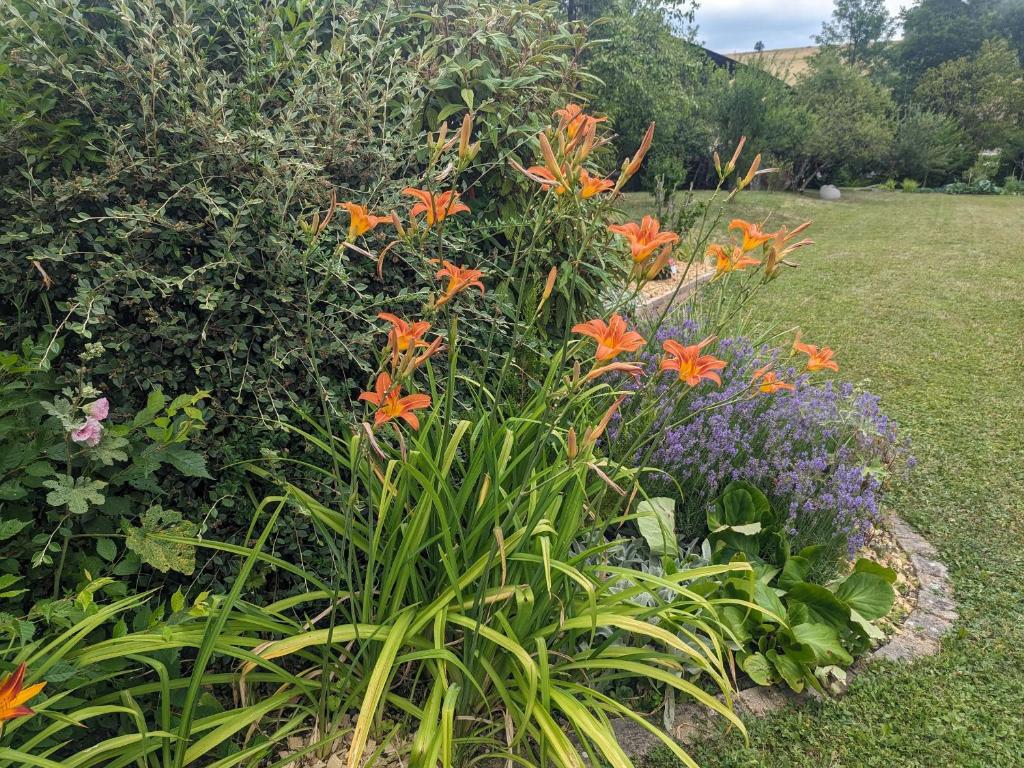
pixel 785 63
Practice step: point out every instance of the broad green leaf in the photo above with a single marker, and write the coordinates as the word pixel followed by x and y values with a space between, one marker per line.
pixel 766 597
pixel 788 668
pixel 106 549
pixel 868 629
pixel 822 606
pixel 823 641
pixel 189 463
pixel 160 553
pixel 870 595
pixel 78 494
pixel 864 565
pixel 11 528
pixel 758 668
pixel 656 521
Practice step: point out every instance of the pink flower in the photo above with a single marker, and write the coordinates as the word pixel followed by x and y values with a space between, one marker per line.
pixel 99 409
pixel 89 433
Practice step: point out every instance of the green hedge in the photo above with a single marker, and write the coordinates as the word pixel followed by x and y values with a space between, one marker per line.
pixel 155 157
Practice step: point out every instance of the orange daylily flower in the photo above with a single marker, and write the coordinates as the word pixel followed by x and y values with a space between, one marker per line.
pixel 13 695
pixel 691 366
pixel 361 221
pixel 545 178
pixel 753 235
pixel 817 359
pixel 437 207
pixel 459 279
pixel 612 337
pixel 767 381
pixel 780 247
pixel 575 120
pixel 390 403
pixel 730 262
pixel 631 369
pixel 404 335
pixel 644 238
pixel 592 185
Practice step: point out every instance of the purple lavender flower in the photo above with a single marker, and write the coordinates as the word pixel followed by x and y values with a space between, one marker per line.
pixel 818 452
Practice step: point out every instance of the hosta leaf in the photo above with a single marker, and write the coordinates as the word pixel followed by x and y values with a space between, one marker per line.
pixel 870 595
pixel 823 641
pixel 656 521
pixel 758 668
pixel 868 629
pixel 864 565
pixel 788 668
pixel 78 494
pixel 822 606
pixel 160 553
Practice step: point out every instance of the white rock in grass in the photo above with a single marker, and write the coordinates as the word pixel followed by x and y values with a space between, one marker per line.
pixel 829 192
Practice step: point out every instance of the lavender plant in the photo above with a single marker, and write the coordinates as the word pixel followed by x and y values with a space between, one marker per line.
pixel 821 451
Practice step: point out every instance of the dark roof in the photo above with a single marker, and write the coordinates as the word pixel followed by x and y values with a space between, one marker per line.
pixel 718 59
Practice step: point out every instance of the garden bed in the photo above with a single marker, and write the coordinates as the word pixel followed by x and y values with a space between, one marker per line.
pixel 923 612
pixel 656 294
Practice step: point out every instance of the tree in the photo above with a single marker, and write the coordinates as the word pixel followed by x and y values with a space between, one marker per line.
pixel 759 46
pixel 648 73
pixel 856 29
pixel 927 144
pixel 983 93
pixel 753 102
pixel 936 31
pixel 851 131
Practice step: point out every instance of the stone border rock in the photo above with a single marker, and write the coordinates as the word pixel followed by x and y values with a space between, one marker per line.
pixel 917 637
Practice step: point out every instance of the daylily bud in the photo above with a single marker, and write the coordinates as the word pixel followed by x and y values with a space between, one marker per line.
pixel 731 166
pixel 549 286
pixel 645 145
pixel 594 433
pixel 745 181
pixel 550 161
pixel 718 163
pixel 467 128
pixel 572 448
pixel 587 144
pixel 398 224
pixel 631 167
pixel 442 133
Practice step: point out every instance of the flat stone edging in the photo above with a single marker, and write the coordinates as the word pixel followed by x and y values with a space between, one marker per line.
pixel 917 637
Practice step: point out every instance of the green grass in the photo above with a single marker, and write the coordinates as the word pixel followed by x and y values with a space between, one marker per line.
pixel 921 296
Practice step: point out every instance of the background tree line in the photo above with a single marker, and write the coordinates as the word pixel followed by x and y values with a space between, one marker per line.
pixel 943 103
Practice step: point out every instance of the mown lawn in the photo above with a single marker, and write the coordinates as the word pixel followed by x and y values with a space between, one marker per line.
pixel 922 296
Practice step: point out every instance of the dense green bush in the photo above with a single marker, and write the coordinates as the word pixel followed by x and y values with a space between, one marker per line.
pixel 648 74
pixel 928 145
pixel 83 489
pixel 155 159
pixel 983 93
pixel 851 129
pixel 754 103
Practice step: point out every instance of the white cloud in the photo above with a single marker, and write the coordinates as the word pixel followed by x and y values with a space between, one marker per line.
pixel 736 25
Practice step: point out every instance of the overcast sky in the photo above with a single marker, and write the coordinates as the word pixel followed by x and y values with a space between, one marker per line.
pixel 726 26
